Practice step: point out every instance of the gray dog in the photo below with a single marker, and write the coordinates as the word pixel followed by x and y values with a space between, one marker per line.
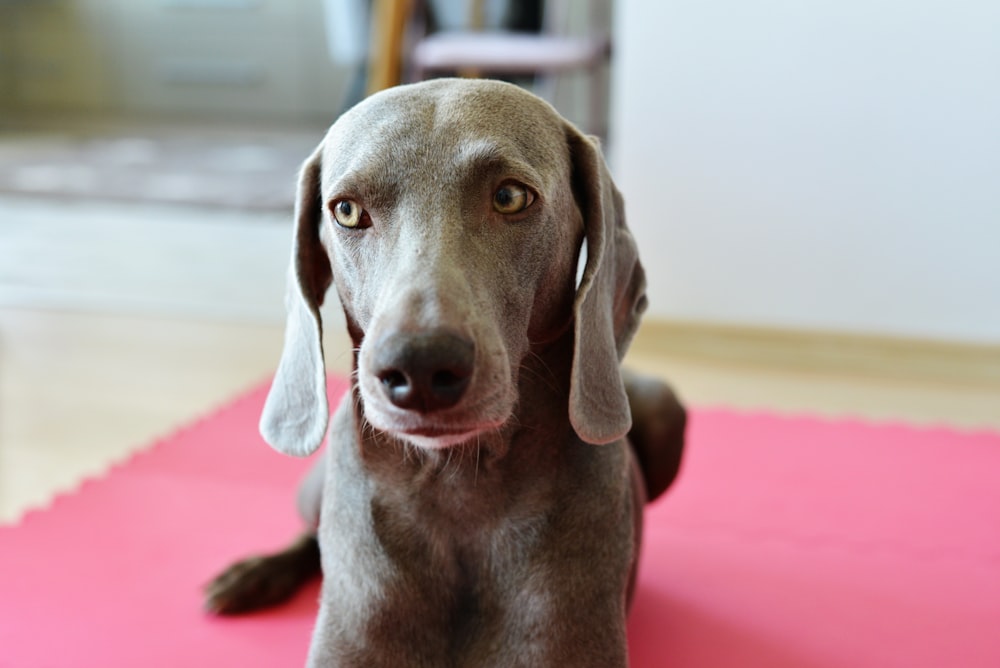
pixel 480 502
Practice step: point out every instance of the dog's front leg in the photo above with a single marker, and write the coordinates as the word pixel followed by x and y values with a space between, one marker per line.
pixel 310 496
pixel 264 581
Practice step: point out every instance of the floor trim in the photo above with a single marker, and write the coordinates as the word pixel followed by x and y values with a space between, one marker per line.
pixel 884 356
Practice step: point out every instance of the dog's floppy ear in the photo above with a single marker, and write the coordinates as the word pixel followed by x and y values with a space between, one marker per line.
pixel 296 412
pixel 609 300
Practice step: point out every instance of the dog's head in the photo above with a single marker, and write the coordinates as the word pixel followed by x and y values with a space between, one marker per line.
pixel 451 215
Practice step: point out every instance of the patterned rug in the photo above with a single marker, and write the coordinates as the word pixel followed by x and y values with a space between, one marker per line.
pixel 196 165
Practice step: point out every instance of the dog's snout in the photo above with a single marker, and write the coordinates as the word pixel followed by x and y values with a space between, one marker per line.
pixel 426 371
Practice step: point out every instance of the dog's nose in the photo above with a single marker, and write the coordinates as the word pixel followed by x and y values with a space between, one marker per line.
pixel 426 371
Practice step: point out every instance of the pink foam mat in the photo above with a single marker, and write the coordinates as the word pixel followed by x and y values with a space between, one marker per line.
pixel 785 543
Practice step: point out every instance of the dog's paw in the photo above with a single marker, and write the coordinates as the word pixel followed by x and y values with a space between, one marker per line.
pixel 659 423
pixel 262 582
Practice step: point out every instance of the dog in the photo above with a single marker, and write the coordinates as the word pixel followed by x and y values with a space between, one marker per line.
pixel 480 500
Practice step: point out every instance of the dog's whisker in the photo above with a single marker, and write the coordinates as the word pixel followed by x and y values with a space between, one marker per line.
pixel 549 377
pixel 542 361
pixel 458 464
pixel 403 447
pixel 340 356
pixel 516 421
pixel 535 373
pixel 479 450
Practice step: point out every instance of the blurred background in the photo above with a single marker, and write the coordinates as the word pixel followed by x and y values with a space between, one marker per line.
pixel 814 188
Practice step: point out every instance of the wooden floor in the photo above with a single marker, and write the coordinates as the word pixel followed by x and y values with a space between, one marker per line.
pixel 80 390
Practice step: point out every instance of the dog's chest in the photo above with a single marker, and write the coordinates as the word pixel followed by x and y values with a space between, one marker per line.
pixel 464 518
pixel 456 557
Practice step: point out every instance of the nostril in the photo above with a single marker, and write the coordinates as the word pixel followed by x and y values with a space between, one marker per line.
pixel 447 379
pixel 398 387
pixel 393 379
pixel 448 386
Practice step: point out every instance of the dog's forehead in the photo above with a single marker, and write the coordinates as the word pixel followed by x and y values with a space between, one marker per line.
pixel 447 122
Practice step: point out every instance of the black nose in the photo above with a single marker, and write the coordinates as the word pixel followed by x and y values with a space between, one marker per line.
pixel 426 371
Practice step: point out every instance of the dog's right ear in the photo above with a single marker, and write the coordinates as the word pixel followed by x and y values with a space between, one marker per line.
pixel 296 412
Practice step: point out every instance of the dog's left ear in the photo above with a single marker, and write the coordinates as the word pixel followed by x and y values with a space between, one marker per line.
pixel 609 300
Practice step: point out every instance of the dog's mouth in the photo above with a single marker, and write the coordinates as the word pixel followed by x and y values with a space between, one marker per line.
pixel 438 438
pixel 437 431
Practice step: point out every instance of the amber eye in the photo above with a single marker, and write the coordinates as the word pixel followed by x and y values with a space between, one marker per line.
pixel 512 197
pixel 347 213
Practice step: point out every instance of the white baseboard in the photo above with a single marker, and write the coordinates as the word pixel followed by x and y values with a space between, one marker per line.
pixel 820 351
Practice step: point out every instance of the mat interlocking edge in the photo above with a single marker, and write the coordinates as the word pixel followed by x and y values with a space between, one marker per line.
pixel 786 542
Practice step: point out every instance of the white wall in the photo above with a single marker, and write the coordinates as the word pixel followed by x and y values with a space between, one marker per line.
pixel 830 164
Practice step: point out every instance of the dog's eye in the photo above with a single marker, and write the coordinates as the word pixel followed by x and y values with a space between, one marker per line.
pixel 512 197
pixel 347 213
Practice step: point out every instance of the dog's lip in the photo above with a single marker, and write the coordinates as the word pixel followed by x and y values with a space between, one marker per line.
pixel 450 431
pixel 437 436
pixel 437 432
